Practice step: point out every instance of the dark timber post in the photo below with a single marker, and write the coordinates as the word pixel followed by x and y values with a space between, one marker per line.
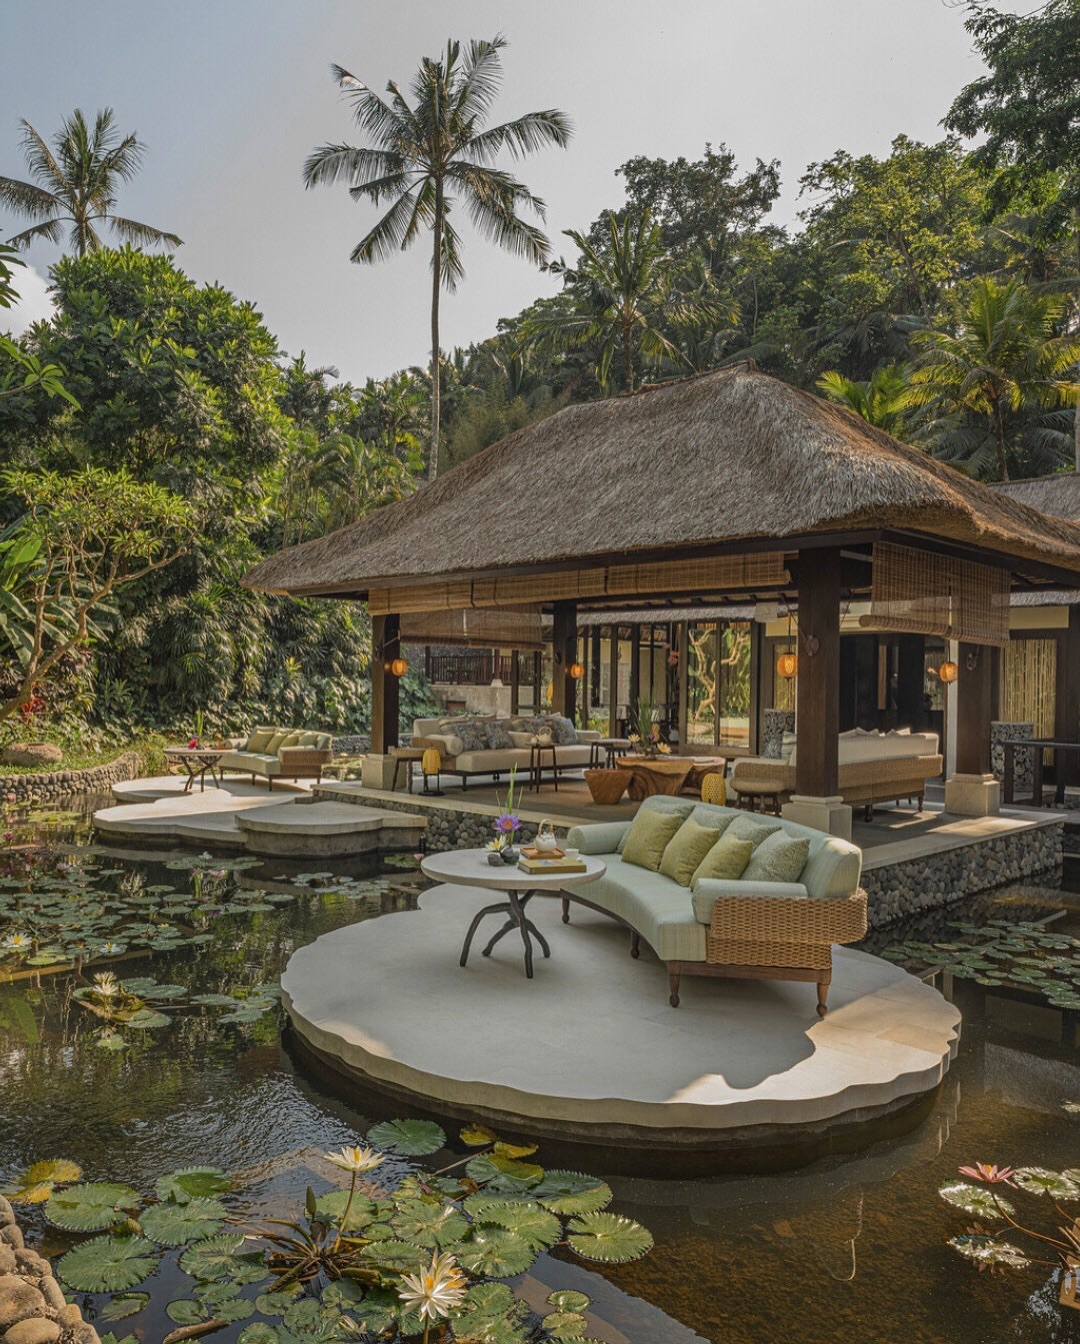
pixel 816 800
pixel 681 642
pixel 634 692
pixel 973 791
pixel 1069 761
pixel 385 645
pixel 613 679
pixel 757 637
pixel 515 680
pixel 564 653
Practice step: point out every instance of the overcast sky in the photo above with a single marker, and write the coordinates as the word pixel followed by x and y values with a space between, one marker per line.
pixel 231 95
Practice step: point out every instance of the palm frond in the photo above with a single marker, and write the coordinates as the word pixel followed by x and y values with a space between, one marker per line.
pixel 144 235
pixel 370 112
pixel 25 198
pixel 391 234
pixel 39 159
pixel 524 136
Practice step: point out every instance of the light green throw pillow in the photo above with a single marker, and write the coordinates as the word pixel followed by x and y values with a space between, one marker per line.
pixel 671 808
pixel 779 858
pixel 649 835
pixel 726 860
pixel 271 748
pixel 309 739
pixel 685 850
pixel 753 829
pixel 258 739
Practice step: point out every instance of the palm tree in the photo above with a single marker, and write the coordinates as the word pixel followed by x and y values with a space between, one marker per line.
pixel 626 283
pixel 427 154
pixel 881 401
pixel 1005 359
pixel 77 185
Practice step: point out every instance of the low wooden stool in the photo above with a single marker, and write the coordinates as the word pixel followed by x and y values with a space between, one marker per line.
pixel 607 786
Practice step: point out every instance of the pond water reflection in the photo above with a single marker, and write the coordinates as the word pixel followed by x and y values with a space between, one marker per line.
pixel 849 1249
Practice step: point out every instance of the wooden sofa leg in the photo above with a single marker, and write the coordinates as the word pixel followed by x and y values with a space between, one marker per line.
pixel 673 981
pixel 822 997
pixel 921 796
pixel 566 909
pixel 635 944
pixel 868 812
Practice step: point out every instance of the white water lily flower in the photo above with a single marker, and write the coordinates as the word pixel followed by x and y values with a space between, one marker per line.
pixel 434 1293
pixel 356 1160
pixel 106 985
pixel 17 942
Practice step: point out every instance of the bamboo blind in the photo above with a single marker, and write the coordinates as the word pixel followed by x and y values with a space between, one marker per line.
pixel 500 628
pixel 938 595
pixel 717 574
pixel 1030 684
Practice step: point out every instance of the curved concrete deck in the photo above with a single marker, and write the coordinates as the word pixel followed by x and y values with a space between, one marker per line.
pixel 589 1050
pixel 285 822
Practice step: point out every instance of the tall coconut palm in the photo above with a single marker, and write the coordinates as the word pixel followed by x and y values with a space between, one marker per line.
pixel 428 154
pixel 75 183
pixel 1005 358
pixel 881 401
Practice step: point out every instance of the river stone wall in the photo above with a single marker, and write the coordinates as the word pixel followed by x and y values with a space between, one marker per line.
pixel 48 785
pixel 32 1306
pixel 900 889
pixel 449 825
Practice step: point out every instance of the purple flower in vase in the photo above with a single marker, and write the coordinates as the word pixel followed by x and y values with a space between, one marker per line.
pixel 507 823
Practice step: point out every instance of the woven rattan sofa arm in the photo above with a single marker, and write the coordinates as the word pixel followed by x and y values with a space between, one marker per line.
pixel 766 920
pixel 755 774
pixel 302 757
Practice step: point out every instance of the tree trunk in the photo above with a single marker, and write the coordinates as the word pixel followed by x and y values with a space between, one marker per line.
pixel 628 356
pixel 436 285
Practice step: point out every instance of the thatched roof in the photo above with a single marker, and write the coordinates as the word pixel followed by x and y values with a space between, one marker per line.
pixel 1057 495
pixel 717 459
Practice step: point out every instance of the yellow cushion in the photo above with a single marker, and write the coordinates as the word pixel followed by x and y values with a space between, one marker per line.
pixel 290 740
pixel 258 739
pixel 648 837
pixel 726 860
pixel 275 741
pixel 309 739
pixel 686 849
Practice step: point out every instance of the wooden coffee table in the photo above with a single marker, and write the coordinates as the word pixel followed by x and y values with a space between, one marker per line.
pixel 650 775
pixel 196 761
pixel 470 868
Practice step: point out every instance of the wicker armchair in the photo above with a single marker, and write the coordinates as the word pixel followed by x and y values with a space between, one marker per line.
pixel 303 762
pixel 762 938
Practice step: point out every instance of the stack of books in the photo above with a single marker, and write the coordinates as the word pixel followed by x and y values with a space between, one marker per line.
pixel 537 867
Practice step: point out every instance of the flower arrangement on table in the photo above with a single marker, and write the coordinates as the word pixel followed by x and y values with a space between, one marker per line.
pixel 645 740
pixel 507 825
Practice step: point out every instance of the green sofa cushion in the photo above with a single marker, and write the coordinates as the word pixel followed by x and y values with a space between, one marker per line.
pixel 258 739
pixel 650 833
pixel 753 829
pixel 662 805
pixel 686 849
pixel 276 740
pixel 290 740
pixel 309 739
pixel 726 859
pixel 779 858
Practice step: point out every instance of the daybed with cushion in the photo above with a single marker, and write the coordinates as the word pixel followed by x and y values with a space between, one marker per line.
pixel 873 768
pixel 471 745
pixel 715 891
pixel 279 753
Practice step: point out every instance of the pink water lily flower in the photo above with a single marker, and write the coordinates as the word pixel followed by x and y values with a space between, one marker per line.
pixel 991 1174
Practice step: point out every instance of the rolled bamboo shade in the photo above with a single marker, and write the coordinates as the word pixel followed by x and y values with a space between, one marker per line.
pixel 931 594
pixel 489 628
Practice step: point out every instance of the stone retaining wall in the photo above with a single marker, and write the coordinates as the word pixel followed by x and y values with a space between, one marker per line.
pixel 448 826
pixel 48 785
pixel 32 1306
pixel 899 889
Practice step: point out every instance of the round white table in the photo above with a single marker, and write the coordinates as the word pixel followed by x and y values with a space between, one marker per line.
pixel 470 868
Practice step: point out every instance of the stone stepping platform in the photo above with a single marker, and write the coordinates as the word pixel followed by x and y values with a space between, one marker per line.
pixel 258 821
pixel 590 1050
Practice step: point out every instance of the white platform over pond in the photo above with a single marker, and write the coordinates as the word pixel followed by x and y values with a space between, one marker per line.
pixel 286 821
pixel 589 1050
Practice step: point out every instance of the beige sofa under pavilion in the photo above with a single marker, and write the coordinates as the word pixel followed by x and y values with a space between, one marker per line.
pixel 468 755
pixel 279 753
pixel 741 929
pixel 873 768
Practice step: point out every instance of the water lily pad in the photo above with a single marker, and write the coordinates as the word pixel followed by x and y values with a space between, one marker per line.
pixel 477 1136
pixel 121 1306
pixel 145 1019
pixel 496 1253
pixel 429 1225
pixel 36 1183
pixel 570 1192
pixel 1040 1181
pixel 91 1207
pixel 259 1333
pixel 186 1183
pixel 565 1325
pixel 333 1204
pixel 212 1258
pixel 975 1199
pixel 186 1311
pixel 524 1217
pixel 608 1237
pixel 566 1299
pixel 407 1138
pixel 107 1264
pixel 177 1224
pixel 986 1250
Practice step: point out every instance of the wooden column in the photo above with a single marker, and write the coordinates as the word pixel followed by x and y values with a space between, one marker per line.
pixel 564 652
pixel 1068 761
pixel 634 692
pixel 818 691
pixel 385 644
pixel 515 680
pixel 594 666
pixel 974 709
pixel 682 644
pixel 613 678
pixel 757 664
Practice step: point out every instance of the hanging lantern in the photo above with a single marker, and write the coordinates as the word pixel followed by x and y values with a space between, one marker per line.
pixel 787 665
pixel 577 671
pixel 399 667
pixel 948 672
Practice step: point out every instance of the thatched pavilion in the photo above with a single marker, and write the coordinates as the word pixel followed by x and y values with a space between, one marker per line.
pixel 730 487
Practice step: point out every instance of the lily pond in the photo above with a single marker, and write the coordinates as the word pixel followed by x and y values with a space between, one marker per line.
pixel 154 1123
